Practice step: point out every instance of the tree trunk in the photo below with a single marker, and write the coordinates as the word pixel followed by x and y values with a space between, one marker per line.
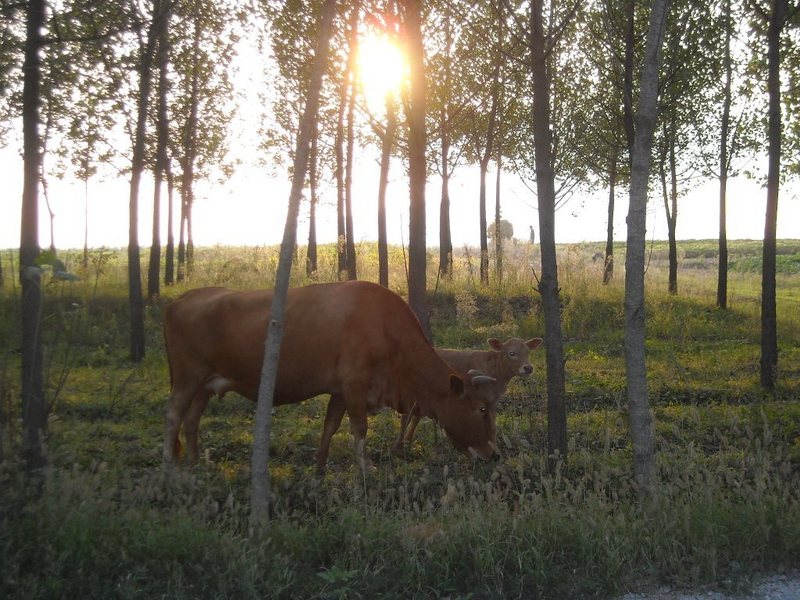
pixel 162 127
pixel 386 156
pixel 135 300
pixel 313 179
pixel 641 420
pixel 417 276
pixel 34 404
pixel 498 238
pixel 627 92
pixel 769 333
pixel 260 488
pixel 341 238
pixel 445 238
pixel 85 259
pixel 608 265
pixel 348 181
pixel 672 220
pixel 548 286
pixel 169 266
pixel 722 271
pixel 182 236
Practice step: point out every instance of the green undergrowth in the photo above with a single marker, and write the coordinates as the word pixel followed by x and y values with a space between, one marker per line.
pixel 107 519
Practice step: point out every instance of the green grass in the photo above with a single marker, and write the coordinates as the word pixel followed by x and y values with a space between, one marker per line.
pixel 108 520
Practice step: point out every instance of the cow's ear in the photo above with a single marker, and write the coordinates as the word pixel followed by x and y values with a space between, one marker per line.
pixel 456 385
pixel 534 343
pixel 495 344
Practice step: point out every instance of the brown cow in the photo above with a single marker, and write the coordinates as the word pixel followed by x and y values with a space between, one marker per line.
pixel 502 362
pixel 356 340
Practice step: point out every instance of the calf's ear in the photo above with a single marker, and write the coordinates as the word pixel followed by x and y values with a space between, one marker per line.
pixel 456 385
pixel 495 344
pixel 533 343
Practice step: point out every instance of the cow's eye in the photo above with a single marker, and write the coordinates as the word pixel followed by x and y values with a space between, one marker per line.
pixel 512 353
pixel 483 409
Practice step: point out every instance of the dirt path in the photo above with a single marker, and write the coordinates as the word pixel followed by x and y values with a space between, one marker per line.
pixel 773 587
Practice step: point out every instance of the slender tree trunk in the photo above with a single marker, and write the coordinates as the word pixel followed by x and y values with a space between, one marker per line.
pixel 484 260
pixel 190 151
pixel 769 333
pixel 162 128
pixel 498 238
pixel 260 487
pixel 341 238
pixel 608 266
pixel 641 419
pixel 672 220
pixel 445 238
pixel 169 266
pixel 311 253
pixel 722 273
pixel 85 259
pixel 445 125
pixel 417 276
pixel 386 156
pixel 627 67
pixel 34 404
pixel 182 236
pixel 135 299
pixel 351 104
pixel 548 285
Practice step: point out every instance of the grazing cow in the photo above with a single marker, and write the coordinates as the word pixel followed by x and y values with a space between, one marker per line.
pixel 501 362
pixel 355 340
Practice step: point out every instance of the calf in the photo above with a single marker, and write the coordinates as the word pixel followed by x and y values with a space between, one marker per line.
pixel 500 363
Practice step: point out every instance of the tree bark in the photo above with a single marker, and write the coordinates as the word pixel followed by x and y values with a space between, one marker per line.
pixel 548 285
pixel 34 403
pixel 169 260
pixel 445 237
pixel 769 333
pixel 484 167
pixel 608 265
pixel 260 487
pixel 162 126
pixel 341 238
pixel 386 156
pixel 348 180
pixel 135 299
pixel 498 238
pixel 641 420
pixel 313 178
pixel 722 270
pixel 417 276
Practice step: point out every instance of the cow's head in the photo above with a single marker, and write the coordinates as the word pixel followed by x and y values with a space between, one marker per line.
pixel 514 354
pixel 468 415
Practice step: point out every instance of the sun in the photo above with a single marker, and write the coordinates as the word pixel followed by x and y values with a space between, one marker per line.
pixel 382 69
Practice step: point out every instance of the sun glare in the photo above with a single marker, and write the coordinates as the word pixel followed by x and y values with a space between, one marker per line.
pixel 382 68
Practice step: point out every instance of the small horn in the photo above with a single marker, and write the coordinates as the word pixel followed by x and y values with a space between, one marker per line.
pixel 479 379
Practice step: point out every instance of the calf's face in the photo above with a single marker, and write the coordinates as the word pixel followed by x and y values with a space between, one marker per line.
pixel 514 354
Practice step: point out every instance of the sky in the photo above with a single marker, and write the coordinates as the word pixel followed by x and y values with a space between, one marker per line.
pixel 250 209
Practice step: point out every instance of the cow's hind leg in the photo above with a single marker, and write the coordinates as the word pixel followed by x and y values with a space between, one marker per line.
pixel 333 419
pixel 191 424
pixel 178 403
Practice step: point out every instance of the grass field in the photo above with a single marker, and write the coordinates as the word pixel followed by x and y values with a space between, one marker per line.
pixel 108 520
